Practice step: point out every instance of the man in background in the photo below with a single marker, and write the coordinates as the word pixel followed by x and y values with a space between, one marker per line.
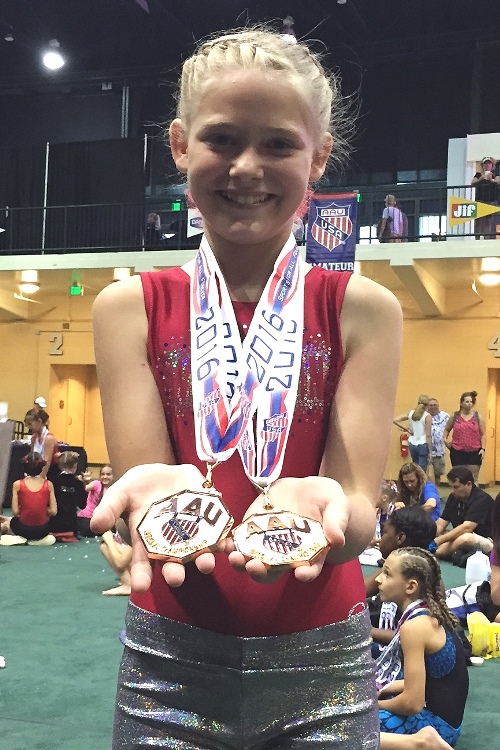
pixel 393 226
pixel 487 186
pixel 439 419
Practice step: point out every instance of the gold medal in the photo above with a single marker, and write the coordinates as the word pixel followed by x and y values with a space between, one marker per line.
pixel 182 526
pixel 278 537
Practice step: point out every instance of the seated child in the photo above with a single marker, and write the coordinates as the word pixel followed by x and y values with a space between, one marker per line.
pixel 96 490
pixel 33 503
pixel 71 496
pixel 422 675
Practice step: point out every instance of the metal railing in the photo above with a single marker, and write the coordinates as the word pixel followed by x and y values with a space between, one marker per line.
pixel 113 227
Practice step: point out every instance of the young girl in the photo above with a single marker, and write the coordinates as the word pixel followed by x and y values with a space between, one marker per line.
pixel 70 496
pixel 285 664
pixel 33 502
pixel 434 687
pixel 96 490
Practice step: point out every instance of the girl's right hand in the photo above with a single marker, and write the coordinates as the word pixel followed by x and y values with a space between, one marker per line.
pixel 133 494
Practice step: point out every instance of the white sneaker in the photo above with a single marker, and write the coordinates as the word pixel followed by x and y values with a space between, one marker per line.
pixel 46 541
pixel 9 540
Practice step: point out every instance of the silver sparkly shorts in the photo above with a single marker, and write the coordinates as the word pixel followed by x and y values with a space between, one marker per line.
pixel 185 688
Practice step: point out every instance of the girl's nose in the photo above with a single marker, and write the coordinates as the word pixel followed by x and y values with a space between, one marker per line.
pixel 247 165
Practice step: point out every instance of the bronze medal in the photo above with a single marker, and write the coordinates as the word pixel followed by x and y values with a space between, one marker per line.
pixel 277 537
pixel 182 526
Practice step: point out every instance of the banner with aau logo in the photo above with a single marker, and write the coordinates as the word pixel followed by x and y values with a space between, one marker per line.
pixel 331 231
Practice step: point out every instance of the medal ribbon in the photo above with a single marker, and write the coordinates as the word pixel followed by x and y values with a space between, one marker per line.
pixel 232 380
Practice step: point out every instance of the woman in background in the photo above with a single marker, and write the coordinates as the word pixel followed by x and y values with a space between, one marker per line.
pixel 420 428
pixel 467 444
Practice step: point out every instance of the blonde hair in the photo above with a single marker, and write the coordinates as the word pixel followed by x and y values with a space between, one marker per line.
pixel 420 408
pixel 266 50
pixel 68 460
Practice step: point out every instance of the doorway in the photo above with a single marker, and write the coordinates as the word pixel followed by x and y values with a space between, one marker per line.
pixel 75 409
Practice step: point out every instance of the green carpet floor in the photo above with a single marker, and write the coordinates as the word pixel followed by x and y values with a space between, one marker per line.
pixel 59 637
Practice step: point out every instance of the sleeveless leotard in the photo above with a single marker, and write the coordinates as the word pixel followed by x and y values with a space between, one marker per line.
pixel 227 601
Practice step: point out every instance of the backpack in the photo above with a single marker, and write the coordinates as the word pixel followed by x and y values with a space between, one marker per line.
pixel 386 234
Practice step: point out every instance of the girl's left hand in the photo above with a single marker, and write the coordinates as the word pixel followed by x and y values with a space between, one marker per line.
pixel 318 498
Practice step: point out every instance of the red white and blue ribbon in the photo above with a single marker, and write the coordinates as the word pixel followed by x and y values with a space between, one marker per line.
pixel 233 381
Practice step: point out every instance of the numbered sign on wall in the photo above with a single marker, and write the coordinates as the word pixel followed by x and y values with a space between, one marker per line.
pixel 55 344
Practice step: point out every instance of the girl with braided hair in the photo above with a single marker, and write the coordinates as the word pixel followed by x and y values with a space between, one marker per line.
pixel 422 674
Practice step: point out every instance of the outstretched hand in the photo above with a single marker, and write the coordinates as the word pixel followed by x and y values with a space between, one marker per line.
pixel 133 494
pixel 318 498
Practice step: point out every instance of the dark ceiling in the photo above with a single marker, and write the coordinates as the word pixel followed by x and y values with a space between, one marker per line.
pixel 422 71
pixel 108 35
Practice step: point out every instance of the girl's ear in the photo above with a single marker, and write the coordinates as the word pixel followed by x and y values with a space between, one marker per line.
pixel 178 144
pixel 412 587
pixel 320 158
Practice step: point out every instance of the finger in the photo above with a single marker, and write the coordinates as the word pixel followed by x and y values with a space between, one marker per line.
pixel 205 562
pixel 306 573
pixel 140 576
pixel 174 574
pixel 260 573
pixel 237 561
pixel 110 508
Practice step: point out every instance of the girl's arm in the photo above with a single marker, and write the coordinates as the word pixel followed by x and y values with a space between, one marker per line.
pixel 50 447
pixel 428 434
pixel 414 635
pixel 495 585
pixel 15 498
pixel 371 326
pixel 52 507
pixel 134 422
pixel 482 430
pixel 447 429
pixel 135 426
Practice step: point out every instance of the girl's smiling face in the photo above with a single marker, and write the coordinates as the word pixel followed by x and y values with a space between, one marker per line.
pixel 250 154
pixel 106 475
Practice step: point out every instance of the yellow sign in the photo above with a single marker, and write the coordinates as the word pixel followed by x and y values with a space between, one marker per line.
pixel 461 210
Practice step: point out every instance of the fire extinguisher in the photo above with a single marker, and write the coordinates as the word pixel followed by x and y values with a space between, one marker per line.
pixel 403 444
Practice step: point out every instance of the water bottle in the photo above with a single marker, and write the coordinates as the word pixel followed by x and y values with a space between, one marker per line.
pixel 477 568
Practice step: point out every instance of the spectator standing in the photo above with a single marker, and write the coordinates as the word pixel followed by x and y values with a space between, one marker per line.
pixel 487 186
pixel 469 511
pixel 467 444
pixel 439 419
pixel 43 442
pixel 393 226
pixel 420 428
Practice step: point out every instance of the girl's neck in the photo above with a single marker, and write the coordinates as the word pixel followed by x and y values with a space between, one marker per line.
pixel 246 270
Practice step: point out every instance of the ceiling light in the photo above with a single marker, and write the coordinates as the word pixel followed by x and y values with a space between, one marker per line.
pixel 490 264
pixel 120 274
pixel 52 59
pixel 29 277
pixel 490 279
pixel 29 288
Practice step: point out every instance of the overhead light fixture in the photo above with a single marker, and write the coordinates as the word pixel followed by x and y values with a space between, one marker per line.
pixel 52 59
pixel 489 279
pixel 120 274
pixel 341 2
pixel 29 282
pixel 490 264
pixel 29 288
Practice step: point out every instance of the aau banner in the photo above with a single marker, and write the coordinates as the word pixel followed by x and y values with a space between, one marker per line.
pixel 331 233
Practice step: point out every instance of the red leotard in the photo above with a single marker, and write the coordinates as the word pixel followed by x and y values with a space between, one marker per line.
pixel 227 601
pixel 33 504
